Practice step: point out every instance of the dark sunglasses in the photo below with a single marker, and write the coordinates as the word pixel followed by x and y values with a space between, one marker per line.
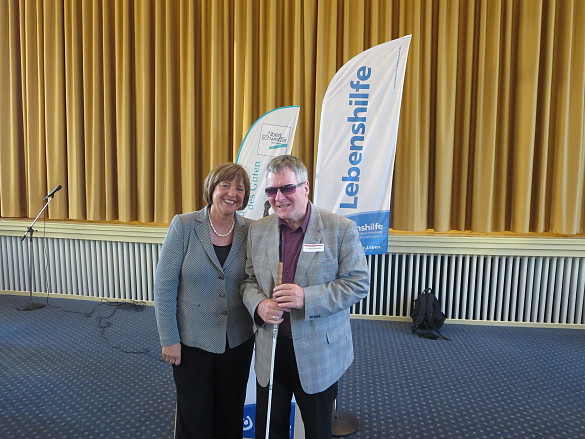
pixel 287 189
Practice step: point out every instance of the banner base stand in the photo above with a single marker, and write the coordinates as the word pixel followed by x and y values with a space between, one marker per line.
pixel 344 423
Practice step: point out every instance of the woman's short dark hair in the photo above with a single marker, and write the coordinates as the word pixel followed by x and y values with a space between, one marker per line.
pixel 226 172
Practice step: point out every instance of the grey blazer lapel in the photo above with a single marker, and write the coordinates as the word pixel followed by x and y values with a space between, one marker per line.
pixel 202 230
pixel 312 236
pixel 239 239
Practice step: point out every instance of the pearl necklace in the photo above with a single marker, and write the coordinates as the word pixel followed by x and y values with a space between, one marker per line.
pixel 215 231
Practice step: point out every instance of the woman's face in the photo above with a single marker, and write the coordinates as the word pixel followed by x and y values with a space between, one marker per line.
pixel 228 196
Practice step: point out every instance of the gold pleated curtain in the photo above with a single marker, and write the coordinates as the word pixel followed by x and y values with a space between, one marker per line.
pixel 128 104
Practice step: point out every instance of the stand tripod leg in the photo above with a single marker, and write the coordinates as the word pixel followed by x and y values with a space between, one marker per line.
pixel 30 306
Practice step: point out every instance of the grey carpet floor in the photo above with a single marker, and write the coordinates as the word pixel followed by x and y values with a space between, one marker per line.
pixel 81 369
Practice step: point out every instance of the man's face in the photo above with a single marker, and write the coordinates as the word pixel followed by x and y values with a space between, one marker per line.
pixel 291 207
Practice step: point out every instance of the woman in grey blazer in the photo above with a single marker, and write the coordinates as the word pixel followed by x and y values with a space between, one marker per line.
pixel 205 330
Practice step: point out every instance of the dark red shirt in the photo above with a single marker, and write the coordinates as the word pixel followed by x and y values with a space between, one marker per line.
pixel 291 244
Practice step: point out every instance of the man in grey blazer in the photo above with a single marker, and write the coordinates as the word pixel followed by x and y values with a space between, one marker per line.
pixel 325 273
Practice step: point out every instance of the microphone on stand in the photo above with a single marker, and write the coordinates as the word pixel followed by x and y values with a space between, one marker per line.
pixel 30 306
pixel 52 193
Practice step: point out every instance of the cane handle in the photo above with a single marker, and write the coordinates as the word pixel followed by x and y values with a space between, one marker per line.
pixel 279 274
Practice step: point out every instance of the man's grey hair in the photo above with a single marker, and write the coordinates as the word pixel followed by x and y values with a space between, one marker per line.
pixel 295 164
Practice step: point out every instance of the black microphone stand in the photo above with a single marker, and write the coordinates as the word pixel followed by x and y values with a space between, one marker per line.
pixel 31 306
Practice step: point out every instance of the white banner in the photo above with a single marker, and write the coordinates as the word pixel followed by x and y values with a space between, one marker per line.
pixel 357 140
pixel 271 135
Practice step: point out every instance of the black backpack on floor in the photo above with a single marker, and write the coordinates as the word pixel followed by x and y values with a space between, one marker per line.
pixel 427 316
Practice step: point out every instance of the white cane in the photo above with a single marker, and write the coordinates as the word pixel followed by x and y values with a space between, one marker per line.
pixel 274 336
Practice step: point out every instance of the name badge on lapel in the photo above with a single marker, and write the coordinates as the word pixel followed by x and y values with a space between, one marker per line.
pixel 313 248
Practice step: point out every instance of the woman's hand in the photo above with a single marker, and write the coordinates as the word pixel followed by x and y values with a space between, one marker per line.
pixel 172 354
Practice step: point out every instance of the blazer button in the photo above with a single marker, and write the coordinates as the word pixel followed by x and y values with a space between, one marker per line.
pixel 225 313
pixel 221 277
pixel 222 295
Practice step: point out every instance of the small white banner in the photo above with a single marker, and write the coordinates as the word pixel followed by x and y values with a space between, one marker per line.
pixel 271 135
pixel 357 140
